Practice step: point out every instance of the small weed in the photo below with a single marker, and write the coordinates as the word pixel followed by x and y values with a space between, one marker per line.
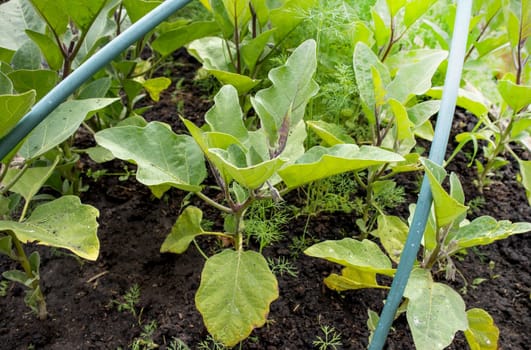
pixel 475 204
pixel 177 344
pixel 129 301
pixel 3 288
pixel 145 341
pixel 281 266
pixel 210 344
pixel 334 194
pixel 265 221
pixel 331 339
pixel 299 245
pixel 122 176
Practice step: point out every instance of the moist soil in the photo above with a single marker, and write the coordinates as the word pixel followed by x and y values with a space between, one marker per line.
pixel 81 296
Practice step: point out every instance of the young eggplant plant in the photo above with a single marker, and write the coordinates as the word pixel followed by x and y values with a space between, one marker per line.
pixel 435 312
pixel 247 33
pixel 62 222
pixel 506 118
pixel 394 114
pixel 237 285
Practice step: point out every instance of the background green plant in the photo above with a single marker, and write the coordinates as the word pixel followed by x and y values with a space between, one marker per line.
pixel 248 166
pixel 434 310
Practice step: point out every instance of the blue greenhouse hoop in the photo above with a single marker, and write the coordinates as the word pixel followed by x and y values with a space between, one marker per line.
pixel 90 67
pixel 437 151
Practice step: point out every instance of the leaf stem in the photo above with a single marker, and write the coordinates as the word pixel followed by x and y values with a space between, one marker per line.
pixel 17 177
pixel 24 262
pixel 213 203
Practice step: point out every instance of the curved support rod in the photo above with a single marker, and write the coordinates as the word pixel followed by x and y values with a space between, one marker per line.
pixel 437 152
pixel 96 62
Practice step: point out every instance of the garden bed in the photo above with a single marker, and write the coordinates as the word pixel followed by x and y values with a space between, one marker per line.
pixel 83 297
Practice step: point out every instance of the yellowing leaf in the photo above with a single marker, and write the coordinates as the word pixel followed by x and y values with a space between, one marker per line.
pixel 235 293
pixel 155 86
pixel 482 333
pixel 62 223
pixel 364 255
pixel 352 278
pixel 392 232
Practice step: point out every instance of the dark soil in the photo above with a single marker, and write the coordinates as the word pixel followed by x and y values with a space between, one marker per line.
pixel 133 225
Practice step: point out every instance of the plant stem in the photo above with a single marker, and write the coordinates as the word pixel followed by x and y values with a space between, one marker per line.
pixel 213 203
pixel 391 41
pixel 500 146
pixel 24 262
pixel 440 242
pixel 480 35
pixel 14 180
pixel 253 20
pixel 519 49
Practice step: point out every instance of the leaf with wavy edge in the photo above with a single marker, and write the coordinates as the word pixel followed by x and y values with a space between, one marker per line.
pixel 320 162
pixel 236 290
pixel 62 223
pixel 162 156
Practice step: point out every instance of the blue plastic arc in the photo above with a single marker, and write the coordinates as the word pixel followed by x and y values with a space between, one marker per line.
pixel 437 152
pixel 96 62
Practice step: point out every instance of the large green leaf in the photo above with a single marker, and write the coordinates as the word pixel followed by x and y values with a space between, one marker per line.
pixel 241 82
pixel 183 232
pixel 213 53
pixel 414 77
pixel 415 9
pixel 485 230
pixel 226 115
pixel 435 312
pixel 53 12
pixel 403 126
pixel 364 255
pixel 236 290
pixel 238 11
pixel 12 25
pixel 516 96
pixel 162 156
pixel 60 125
pixel 421 112
pixel 172 40
pixel 382 31
pixel 13 108
pixel 253 49
pixel 40 80
pixel 466 99
pixel 447 208
pixel 320 162
pixel 49 48
pixel 331 133
pixel 136 9
pixel 482 333
pixel 62 223
pixel 28 56
pixel 292 88
pixel 82 12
